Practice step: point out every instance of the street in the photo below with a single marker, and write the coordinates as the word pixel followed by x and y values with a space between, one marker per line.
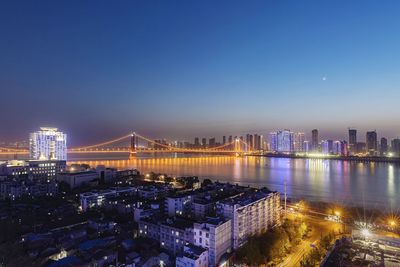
pixel 320 227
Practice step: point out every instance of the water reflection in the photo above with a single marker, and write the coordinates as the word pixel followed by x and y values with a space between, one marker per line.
pixel 315 179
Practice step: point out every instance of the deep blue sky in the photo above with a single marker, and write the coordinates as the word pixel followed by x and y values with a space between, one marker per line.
pixel 98 69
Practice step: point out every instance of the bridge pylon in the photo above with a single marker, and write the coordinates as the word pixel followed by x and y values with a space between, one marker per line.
pixel 132 150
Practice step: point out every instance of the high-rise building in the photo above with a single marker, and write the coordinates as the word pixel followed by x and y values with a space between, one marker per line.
pixel 298 143
pixel 344 148
pixel 314 140
pixel 252 213
pixel 337 148
pixel 48 144
pixel 204 142
pixel 211 142
pixel 395 147
pixel 257 142
pixel 372 142
pixel 327 146
pixel 196 142
pixel 306 146
pixel 352 140
pixel 223 140
pixel 230 139
pixel 249 141
pixel 273 141
pixel 282 141
pixel 384 146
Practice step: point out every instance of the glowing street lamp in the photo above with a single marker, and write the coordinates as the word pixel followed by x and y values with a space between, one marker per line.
pixel 337 213
pixel 365 232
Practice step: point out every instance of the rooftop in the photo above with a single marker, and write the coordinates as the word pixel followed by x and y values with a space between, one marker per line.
pixel 247 198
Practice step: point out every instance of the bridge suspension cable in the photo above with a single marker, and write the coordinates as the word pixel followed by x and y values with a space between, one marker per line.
pixel 235 146
pixel 13 149
pixel 102 144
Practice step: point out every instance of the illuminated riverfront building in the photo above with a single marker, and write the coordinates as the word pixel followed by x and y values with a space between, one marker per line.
pixel 372 143
pixel 204 142
pixel 282 141
pixel 384 146
pixel 196 142
pixel 327 146
pixel 314 140
pixel 48 144
pixel 353 140
pixel 306 146
pixel 395 147
pixel 249 141
pixel 211 142
pixel 298 143
pixel 340 148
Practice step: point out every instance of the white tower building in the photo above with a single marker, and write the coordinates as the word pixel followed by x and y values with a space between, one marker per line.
pixel 48 144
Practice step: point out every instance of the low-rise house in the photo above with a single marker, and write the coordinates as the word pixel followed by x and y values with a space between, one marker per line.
pixel 192 256
pixel 77 179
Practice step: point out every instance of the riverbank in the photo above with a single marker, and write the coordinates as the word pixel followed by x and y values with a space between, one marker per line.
pixel 333 157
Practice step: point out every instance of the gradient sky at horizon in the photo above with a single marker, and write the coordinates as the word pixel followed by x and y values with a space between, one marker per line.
pixel 179 69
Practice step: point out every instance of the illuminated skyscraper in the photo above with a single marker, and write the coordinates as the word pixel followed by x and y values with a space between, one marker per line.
pixel 282 141
pixel 257 142
pixel 352 140
pixel 314 140
pixel 395 147
pixel 372 142
pixel 384 146
pixel 249 141
pixel 337 148
pixel 327 146
pixel 48 144
pixel 204 142
pixel 196 142
pixel 211 142
pixel 273 141
pixel 299 139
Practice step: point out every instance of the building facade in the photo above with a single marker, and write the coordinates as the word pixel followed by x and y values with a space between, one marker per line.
pixel 48 144
pixel 215 235
pixel 192 256
pixel 251 213
pixel 372 143
pixel 314 140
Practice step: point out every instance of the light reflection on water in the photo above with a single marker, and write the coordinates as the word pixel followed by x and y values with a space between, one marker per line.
pixel 375 184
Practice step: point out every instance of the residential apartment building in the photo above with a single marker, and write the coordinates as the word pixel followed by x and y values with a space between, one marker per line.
pixel 215 235
pixel 251 213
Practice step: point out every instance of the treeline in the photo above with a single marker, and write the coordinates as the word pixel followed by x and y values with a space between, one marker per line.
pixel 273 245
pixel 316 255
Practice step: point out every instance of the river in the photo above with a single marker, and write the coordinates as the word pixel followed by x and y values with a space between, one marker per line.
pixel 374 185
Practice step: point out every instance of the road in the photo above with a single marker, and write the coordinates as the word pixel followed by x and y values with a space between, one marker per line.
pixel 320 227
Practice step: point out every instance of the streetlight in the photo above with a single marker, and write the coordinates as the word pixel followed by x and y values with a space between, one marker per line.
pixel 365 232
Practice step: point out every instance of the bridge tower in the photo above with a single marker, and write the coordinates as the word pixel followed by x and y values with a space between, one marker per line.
pixel 132 150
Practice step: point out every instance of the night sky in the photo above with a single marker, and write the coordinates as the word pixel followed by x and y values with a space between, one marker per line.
pixel 179 69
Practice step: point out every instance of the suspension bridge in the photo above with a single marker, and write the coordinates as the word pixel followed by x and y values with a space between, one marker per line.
pixel 134 143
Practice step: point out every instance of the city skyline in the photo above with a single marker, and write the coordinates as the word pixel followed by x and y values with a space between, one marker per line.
pixel 190 69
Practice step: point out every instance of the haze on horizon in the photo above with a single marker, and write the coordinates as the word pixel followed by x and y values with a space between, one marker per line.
pixel 99 69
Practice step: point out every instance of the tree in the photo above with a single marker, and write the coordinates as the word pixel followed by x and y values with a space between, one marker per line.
pixel 206 182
